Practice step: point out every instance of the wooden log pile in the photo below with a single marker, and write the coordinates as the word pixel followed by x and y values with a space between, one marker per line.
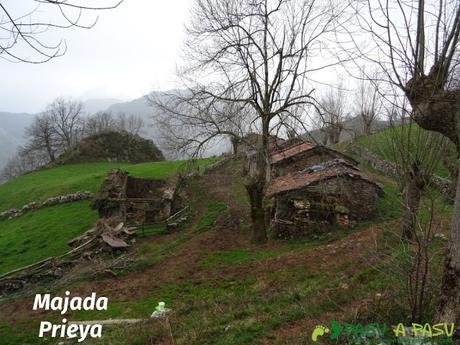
pixel 108 235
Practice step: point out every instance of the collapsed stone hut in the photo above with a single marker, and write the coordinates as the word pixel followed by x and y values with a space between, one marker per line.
pixel 302 155
pixel 330 193
pixel 134 200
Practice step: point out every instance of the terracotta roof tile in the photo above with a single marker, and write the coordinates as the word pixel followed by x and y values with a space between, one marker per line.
pixel 292 151
pixel 309 176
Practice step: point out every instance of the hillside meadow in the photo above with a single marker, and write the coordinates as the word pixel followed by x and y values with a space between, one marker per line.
pixel 39 234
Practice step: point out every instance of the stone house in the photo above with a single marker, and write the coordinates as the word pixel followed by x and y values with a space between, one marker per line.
pixel 134 200
pixel 302 155
pixel 320 196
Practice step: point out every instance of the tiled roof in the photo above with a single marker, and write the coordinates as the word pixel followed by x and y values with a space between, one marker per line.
pixel 314 174
pixel 292 151
pixel 304 147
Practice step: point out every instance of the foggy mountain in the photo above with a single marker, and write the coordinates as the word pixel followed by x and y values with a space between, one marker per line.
pixel 92 106
pixel 12 133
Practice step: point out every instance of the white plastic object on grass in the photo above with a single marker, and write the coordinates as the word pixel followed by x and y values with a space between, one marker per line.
pixel 160 307
pixel 160 311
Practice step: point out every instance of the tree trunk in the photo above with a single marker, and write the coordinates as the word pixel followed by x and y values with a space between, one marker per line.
pixel 367 125
pixel 259 170
pixel 256 197
pixel 438 110
pixel 49 150
pixel 412 194
pixel 449 304
pixel 450 161
pixel 235 142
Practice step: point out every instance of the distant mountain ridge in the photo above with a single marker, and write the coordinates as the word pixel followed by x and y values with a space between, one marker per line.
pixel 12 128
pixel 92 106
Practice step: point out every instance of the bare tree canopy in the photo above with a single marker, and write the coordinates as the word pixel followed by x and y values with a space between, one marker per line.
pixel 368 102
pixel 22 36
pixel 417 153
pixel 253 57
pixel 331 114
pixel 42 137
pixel 65 115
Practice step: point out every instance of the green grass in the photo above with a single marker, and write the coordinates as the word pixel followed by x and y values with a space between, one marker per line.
pixel 66 179
pixel 42 233
pixel 380 143
pixel 213 210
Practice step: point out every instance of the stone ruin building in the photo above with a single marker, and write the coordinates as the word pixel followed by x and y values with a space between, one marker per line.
pixel 134 200
pixel 314 187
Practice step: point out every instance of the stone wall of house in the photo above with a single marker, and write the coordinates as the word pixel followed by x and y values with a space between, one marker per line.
pixel 360 197
pixel 143 187
pixel 135 200
pixel 108 199
pixel 317 208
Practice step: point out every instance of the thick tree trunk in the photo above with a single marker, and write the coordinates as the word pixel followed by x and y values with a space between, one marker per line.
pixel 235 142
pixel 50 151
pixel 256 197
pixel 450 161
pixel 439 110
pixel 259 171
pixel 412 194
pixel 449 304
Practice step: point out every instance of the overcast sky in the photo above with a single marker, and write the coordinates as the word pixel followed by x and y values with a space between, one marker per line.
pixel 132 50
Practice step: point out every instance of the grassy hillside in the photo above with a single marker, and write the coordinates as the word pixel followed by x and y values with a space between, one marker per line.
pixel 39 185
pixel 225 290
pixel 42 233
pixel 381 144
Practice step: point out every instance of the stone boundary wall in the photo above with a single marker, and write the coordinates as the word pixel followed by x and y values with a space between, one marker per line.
pixel 220 162
pixel 55 200
pixel 440 183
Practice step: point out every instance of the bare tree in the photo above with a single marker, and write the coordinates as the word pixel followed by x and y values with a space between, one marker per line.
pixel 130 123
pixel 99 123
pixel 331 115
pixel 41 136
pixel 368 102
pixel 65 115
pixel 417 153
pixel 255 54
pixel 26 29
pixel 416 45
